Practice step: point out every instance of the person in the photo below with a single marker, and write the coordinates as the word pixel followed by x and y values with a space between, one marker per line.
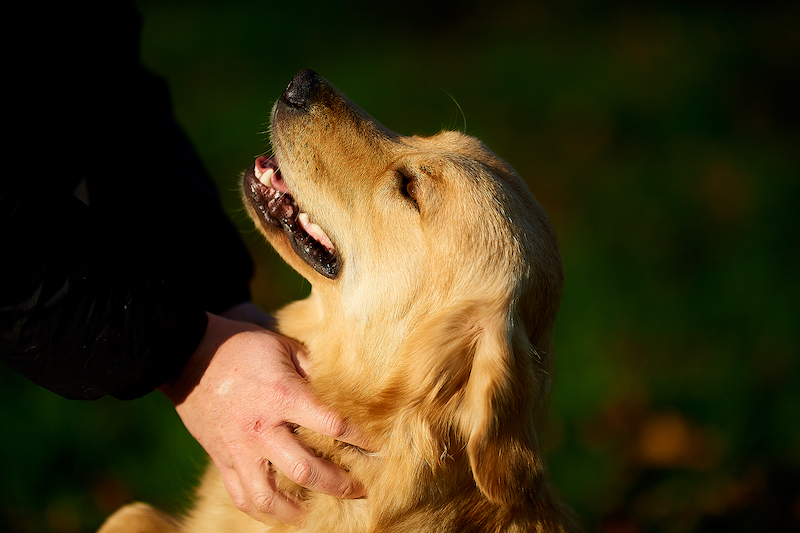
pixel 146 287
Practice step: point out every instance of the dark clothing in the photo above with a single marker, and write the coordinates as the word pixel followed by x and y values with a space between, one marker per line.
pixel 111 298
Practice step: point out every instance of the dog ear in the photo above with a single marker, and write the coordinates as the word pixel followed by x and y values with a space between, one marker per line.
pixel 504 405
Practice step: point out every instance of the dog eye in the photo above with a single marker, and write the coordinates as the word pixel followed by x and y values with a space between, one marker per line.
pixel 408 189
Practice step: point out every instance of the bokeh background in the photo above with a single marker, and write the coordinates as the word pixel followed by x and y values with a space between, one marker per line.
pixel 662 139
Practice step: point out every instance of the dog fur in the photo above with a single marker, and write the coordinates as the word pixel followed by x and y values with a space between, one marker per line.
pixel 434 334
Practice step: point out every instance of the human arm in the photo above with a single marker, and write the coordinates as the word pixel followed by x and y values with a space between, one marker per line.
pixel 81 312
pixel 85 316
pixel 125 318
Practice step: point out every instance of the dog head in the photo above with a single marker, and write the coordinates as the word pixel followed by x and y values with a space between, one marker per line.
pixel 410 242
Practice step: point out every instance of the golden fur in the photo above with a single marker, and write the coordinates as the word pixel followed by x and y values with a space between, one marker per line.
pixel 435 338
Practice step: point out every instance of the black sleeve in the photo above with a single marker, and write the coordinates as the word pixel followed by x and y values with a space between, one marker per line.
pixel 111 298
pixel 82 313
pixel 145 179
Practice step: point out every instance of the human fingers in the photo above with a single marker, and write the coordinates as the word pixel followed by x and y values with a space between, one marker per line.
pixel 309 414
pixel 304 410
pixel 258 495
pixel 298 463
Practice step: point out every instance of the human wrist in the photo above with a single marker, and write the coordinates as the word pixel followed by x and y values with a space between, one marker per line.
pixel 250 313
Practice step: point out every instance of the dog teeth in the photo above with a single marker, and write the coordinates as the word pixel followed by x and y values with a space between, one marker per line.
pixel 265 176
pixel 315 231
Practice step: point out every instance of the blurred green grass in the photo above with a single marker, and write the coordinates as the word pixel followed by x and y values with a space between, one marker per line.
pixel 661 138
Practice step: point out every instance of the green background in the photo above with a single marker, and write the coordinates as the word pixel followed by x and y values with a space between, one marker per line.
pixel 662 139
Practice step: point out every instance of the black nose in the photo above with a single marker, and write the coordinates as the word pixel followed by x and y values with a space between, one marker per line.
pixel 303 90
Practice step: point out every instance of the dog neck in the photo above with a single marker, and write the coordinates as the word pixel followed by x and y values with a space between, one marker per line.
pixel 416 413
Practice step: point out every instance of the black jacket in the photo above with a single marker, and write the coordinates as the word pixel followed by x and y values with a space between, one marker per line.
pixel 110 298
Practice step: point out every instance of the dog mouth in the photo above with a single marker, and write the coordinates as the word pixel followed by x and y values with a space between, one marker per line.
pixel 271 199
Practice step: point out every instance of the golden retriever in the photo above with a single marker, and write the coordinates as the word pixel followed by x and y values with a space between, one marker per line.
pixel 436 279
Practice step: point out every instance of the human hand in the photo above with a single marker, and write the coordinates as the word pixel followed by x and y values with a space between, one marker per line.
pixel 240 395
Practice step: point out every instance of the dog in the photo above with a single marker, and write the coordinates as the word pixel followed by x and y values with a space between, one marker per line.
pixel 436 278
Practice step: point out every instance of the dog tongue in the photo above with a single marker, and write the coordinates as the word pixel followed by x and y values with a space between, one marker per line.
pixel 315 232
pixel 278 183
